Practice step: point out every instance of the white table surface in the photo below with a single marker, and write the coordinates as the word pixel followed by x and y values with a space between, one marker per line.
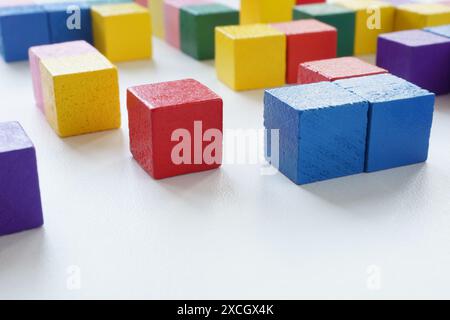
pixel 111 231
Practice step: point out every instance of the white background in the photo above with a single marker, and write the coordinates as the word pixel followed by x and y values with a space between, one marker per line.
pixel 229 233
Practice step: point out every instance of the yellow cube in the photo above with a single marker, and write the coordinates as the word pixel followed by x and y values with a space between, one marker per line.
pixel 421 15
pixel 81 94
pixel 122 32
pixel 266 11
pixel 157 13
pixel 372 19
pixel 250 56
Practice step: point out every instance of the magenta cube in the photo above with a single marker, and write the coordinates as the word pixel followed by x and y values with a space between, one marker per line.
pixel 20 198
pixel 172 18
pixel 36 54
pixel 420 57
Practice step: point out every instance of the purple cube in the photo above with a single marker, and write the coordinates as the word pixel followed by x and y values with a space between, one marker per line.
pixel 20 199
pixel 420 57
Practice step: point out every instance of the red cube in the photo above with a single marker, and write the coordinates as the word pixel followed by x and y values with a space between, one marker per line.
pixel 307 40
pixel 175 127
pixel 335 69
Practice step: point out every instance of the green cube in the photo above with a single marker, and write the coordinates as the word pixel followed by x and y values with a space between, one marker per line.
pixel 341 18
pixel 197 24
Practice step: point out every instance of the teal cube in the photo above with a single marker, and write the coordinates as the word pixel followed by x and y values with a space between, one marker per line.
pixel 197 24
pixel 341 18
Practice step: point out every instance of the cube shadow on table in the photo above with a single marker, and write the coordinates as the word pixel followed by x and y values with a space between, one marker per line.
pixel 20 197
pixel 175 127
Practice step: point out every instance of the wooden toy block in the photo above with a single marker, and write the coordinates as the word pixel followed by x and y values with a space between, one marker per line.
pixel 52 51
pixel 65 26
pixel 443 31
pixel 197 27
pixel 321 131
pixel 175 127
pixel 172 18
pixel 20 197
pixel 307 40
pixel 367 28
pixel 157 13
pixel 122 32
pixel 30 22
pixel 251 56
pixel 335 69
pixel 421 15
pixel 400 118
pixel 266 11
pixel 420 57
pixel 81 94
pixel 143 3
pixel 341 18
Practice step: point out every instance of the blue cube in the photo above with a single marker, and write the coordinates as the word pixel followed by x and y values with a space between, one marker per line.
pixel 21 28
pixel 321 131
pixel 69 21
pixel 400 119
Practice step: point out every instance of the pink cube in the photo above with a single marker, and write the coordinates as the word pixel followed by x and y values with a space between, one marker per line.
pixel 143 3
pixel 172 18
pixel 64 49
pixel 335 69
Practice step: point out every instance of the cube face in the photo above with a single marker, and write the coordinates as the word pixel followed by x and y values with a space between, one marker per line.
pixel 157 14
pixel 420 57
pixel 335 69
pixel 197 27
pixel 400 118
pixel 20 199
pixel 421 15
pixel 443 31
pixel 322 131
pixel 81 94
pixel 250 57
pixel 158 112
pixel 307 40
pixel 122 32
pixel 30 22
pixel 52 51
pixel 266 11
pixel 366 28
pixel 172 18
pixel 61 16
pixel 341 18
